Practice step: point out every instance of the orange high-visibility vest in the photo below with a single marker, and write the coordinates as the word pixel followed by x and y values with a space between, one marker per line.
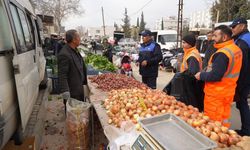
pixel 219 95
pixel 187 54
pixel 227 85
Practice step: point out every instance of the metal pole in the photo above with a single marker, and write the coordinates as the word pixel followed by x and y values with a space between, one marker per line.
pixel 217 15
pixel 103 22
pixel 179 22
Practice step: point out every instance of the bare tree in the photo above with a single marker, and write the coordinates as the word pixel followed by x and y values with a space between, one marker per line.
pixel 59 9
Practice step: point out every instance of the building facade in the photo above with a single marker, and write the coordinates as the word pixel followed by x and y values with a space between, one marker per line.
pixel 170 23
pixel 200 19
pixel 98 32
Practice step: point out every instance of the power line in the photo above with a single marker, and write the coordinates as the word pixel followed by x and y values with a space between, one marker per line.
pixel 140 8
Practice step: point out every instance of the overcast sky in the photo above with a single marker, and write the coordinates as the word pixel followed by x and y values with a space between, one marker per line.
pixel 114 10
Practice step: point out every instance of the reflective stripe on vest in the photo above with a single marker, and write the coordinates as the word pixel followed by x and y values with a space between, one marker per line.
pixel 229 73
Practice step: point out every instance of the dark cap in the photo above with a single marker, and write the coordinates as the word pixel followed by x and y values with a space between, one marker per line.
pixel 190 39
pixel 238 21
pixel 146 33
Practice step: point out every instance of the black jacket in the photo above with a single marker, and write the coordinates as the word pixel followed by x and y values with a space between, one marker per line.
pixel 244 78
pixel 71 72
pixel 210 50
pixel 193 65
pixel 220 62
pixel 152 57
pixel 108 52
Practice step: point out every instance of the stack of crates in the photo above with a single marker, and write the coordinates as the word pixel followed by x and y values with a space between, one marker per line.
pixel 52 72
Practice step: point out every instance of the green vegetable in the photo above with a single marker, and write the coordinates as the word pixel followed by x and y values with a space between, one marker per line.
pixel 100 62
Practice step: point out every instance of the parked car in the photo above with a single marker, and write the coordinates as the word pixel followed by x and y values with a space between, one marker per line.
pixel 22 64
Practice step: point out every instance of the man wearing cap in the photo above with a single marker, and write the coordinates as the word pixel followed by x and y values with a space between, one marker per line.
pixel 149 57
pixel 241 37
pixel 191 60
pixel 221 76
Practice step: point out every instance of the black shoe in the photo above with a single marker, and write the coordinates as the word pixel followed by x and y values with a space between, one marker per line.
pixel 242 133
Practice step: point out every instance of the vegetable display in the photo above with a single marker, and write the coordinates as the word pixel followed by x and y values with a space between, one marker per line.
pixel 99 62
pixel 131 104
pixel 110 81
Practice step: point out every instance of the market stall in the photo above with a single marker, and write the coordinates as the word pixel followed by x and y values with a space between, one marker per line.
pixel 118 99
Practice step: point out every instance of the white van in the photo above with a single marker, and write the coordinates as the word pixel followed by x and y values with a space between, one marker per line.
pixel 165 38
pixel 22 66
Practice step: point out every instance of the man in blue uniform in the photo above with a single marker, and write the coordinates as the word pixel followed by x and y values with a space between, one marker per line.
pixel 149 57
pixel 241 37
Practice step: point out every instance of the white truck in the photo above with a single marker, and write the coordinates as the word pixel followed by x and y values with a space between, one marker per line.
pixel 165 38
pixel 22 65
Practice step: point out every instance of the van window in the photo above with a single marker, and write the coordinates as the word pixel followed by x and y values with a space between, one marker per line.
pixel 38 34
pixel 167 38
pixel 5 39
pixel 27 34
pixel 18 28
pixel 31 29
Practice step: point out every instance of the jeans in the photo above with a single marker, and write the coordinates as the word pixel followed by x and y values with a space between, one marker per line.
pixel 243 107
pixel 150 82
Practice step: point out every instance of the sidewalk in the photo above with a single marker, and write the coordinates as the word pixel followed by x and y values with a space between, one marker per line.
pixel 162 80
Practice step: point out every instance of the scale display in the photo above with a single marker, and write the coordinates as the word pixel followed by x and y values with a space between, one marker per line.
pixel 142 144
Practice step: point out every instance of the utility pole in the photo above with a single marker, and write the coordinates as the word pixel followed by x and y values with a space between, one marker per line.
pixel 103 22
pixel 179 22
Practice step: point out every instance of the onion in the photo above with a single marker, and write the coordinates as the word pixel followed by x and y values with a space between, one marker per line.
pixel 217 129
pixel 115 109
pixel 206 118
pixel 209 127
pixel 186 114
pixel 214 136
pixel 196 123
pixel 177 112
pixel 128 106
pixel 217 123
pixel 206 132
pixel 232 132
pixel 163 111
pixel 232 140
pixel 160 107
pixel 223 138
pixel 190 121
pixel 166 107
pixel 110 121
pixel 224 129
pixel 154 108
pixel 198 129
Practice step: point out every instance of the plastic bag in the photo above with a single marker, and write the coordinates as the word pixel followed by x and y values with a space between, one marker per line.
pixel 77 123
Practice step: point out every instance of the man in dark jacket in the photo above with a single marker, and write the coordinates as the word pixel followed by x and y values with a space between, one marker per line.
pixel 149 57
pixel 107 52
pixel 208 49
pixel 71 68
pixel 242 39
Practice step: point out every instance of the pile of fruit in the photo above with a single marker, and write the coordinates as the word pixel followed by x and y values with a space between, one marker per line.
pixel 110 81
pixel 131 104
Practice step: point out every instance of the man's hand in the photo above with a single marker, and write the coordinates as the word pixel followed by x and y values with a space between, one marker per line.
pixel 198 75
pixel 144 63
pixel 66 95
